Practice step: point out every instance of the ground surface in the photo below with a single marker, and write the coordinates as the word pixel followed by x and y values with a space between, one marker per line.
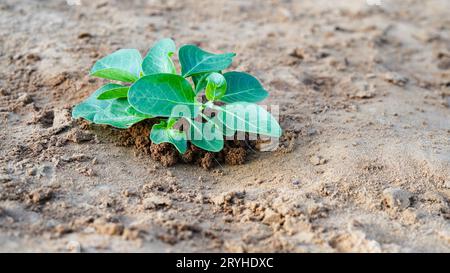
pixel 364 94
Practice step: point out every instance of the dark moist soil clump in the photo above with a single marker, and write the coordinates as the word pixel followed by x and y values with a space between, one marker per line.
pixel 234 152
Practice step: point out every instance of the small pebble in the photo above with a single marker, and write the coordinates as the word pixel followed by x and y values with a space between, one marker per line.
pixel 317 160
pixel 74 247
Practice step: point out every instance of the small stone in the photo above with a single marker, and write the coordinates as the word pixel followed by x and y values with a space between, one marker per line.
pixel 128 193
pixel 259 181
pixel 410 216
pixel 33 57
pixel 40 196
pixel 298 53
pixel 86 171
pixel 444 64
pixel 317 160
pixel 312 132
pixel 84 35
pixel 433 197
pixel 24 99
pixel 155 202
pixel 76 158
pixel 396 198
pixel 296 182
pixel 227 197
pixel 131 234
pixel 271 217
pixel 62 229
pixel 318 210
pixel 78 136
pixel 74 247
pixel 31 171
pixel 364 95
pixel 396 79
pixel 363 90
pixel 108 228
pixel 62 118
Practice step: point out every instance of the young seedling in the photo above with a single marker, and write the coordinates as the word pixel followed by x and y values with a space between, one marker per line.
pixel 151 88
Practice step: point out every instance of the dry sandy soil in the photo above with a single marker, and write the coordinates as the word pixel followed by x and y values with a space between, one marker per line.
pixel 363 166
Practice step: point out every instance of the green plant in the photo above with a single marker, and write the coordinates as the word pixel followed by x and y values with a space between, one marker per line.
pixel 151 88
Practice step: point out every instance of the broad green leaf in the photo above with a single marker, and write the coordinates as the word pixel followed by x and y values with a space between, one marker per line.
pixel 91 106
pixel 171 122
pixel 243 87
pixel 215 86
pixel 123 65
pixel 114 112
pixel 116 91
pixel 158 58
pixel 164 132
pixel 199 81
pixel 195 60
pixel 163 95
pixel 217 121
pixel 120 114
pixel 207 136
pixel 248 117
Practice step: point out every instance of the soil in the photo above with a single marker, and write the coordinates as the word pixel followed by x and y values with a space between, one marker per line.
pixel 234 152
pixel 363 165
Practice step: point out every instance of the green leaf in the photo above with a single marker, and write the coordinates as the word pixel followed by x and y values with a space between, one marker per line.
pixel 219 122
pixel 163 95
pixel 171 122
pixel 248 117
pixel 195 60
pixel 199 81
pixel 116 91
pixel 216 86
pixel 243 87
pixel 91 106
pixel 207 136
pixel 164 132
pixel 158 58
pixel 120 114
pixel 123 65
pixel 114 112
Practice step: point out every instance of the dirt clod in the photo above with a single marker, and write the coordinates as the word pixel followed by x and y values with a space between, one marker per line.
pixel 45 118
pixel 235 156
pixel 40 196
pixel 271 217
pixel 78 136
pixel 317 160
pixel 24 99
pixel 156 202
pixel 107 228
pixel 165 153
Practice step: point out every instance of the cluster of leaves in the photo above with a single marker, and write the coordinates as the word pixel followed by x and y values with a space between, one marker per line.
pixel 151 88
